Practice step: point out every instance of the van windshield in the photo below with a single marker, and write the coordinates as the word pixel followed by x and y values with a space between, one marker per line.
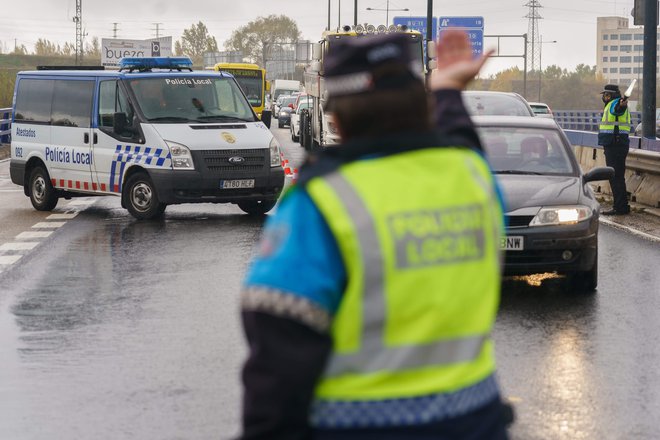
pixel 190 99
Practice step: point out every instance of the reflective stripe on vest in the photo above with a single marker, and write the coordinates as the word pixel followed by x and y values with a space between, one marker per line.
pixel 373 354
pixel 610 121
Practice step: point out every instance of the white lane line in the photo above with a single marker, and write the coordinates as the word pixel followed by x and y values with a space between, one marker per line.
pixel 87 201
pixel 9 259
pixel 628 229
pixel 48 225
pixel 65 216
pixel 34 234
pixel 22 246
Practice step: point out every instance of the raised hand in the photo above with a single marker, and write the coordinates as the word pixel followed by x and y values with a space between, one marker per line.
pixel 456 64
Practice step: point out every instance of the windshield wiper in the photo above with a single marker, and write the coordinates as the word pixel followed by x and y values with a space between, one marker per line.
pixel 169 119
pixel 518 172
pixel 222 118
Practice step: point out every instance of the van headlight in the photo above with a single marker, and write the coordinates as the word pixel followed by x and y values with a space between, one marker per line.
pixel 275 158
pixel 181 157
pixel 561 215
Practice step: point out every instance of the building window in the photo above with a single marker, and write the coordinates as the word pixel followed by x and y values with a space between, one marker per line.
pixel 625 71
pixel 605 37
pixel 625 48
pixel 625 60
pixel 604 59
pixel 614 70
pixel 626 36
pixel 638 59
pixel 639 37
pixel 637 70
pixel 639 47
pixel 605 48
pixel 614 36
pixel 604 69
pixel 614 47
pixel 614 59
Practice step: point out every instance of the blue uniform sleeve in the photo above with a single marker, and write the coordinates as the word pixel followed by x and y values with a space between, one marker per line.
pixel 298 255
pixel 617 109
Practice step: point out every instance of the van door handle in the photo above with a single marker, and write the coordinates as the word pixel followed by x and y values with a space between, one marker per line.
pixel 86 138
pixel 96 138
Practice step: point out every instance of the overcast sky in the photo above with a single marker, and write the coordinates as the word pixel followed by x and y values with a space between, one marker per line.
pixel 572 23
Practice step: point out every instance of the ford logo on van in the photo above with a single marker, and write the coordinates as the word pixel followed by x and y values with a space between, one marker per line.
pixel 236 159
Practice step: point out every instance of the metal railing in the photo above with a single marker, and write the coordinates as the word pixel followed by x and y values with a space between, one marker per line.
pixel 5 125
pixel 587 120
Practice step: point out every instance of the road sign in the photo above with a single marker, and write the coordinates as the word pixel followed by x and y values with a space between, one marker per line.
pixel 418 24
pixel 474 26
pixel 462 22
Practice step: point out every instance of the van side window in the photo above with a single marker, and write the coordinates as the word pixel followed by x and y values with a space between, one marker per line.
pixel 112 99
pixel 33 101
pixel 72 103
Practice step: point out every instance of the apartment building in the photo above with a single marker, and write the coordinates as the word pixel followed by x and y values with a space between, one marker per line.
pixel 620 50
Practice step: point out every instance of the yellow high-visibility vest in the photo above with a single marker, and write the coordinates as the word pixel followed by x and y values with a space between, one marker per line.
pixel 419 235
pixel 609 121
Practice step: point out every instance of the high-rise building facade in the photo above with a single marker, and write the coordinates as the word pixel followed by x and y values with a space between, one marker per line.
pixel 620 50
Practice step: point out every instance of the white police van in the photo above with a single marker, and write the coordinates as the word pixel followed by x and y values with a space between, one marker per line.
pixel 155 133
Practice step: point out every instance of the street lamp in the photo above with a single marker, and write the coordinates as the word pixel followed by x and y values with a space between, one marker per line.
pixel 387 11
pixel 541 65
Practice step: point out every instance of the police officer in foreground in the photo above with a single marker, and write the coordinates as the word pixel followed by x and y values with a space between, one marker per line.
pixel 613 134
pixel 369 308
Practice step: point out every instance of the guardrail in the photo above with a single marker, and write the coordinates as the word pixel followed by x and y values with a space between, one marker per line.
pixel 587 120
pixel 5 125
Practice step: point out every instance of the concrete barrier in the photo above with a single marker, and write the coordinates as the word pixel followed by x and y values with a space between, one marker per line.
pixel 642 166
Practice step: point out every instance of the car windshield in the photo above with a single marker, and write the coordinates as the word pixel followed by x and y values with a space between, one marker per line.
pixel 289 100
pixel 495 104
pixel 517 150
pixel 183 99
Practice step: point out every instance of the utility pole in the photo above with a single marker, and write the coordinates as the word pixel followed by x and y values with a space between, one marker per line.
pixel 650 63
pixel 157 29
pixel 79 33
pixel 355 13
pixel 114 30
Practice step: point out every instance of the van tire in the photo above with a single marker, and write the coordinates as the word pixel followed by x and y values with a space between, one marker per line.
pixel 257 207
pixel 42 194
pixel 140 197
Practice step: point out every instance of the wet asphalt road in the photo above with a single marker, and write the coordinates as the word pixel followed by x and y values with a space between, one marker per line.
pixel 117 329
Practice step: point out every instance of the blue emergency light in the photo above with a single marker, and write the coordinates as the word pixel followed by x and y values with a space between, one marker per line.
pixel 147 64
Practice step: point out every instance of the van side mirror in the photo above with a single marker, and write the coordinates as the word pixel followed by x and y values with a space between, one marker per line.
pixel 266 117
pixel 121 126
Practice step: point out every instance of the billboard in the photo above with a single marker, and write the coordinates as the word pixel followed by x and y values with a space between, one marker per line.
pixel 112 49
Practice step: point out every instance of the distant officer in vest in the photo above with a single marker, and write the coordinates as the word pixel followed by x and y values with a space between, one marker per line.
pixel 613 136
pixel 369 308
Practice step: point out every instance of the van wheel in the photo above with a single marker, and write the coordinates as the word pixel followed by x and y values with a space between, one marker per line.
pixel 141 199
pixel 257 207
pixel 42 194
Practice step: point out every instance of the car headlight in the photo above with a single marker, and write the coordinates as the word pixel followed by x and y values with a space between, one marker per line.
pixel 561 215
pixel 275 157
pixel 181 157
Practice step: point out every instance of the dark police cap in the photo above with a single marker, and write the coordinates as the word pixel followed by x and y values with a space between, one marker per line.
pixel 612 89
pixel 350 63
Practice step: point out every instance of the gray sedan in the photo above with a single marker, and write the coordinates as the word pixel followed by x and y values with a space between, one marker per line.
pixel 551 211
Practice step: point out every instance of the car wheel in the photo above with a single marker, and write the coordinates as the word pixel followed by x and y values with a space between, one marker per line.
pixel 585 281
pixel 257 207
pixel 141 199
pixel 42 194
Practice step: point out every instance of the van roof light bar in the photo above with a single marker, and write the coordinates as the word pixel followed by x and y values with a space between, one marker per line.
pixel 147 64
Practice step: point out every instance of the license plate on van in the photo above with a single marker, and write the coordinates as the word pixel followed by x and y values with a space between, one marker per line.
pixel 512 243
pixel 237 184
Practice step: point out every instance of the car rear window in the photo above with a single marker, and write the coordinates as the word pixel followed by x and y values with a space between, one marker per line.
pixel 495 104
pixel 540 109
pixel 528 149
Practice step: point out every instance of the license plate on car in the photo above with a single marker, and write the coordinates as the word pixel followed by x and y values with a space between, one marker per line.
pixel 237 184
pixel 512 243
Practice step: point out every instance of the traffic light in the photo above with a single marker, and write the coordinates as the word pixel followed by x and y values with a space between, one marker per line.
pixel 638 13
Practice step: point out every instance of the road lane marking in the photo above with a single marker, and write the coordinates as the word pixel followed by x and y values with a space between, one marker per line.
pixel 19 246
pixel 34 234
pixel 64 216
pixel 9 259
pixel 47 225
pixel 628 229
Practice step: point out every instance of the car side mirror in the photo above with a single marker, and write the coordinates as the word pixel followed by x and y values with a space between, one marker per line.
pixel 599 173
